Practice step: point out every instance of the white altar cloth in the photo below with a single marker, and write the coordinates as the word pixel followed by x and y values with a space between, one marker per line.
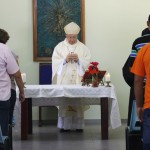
pixel 58 95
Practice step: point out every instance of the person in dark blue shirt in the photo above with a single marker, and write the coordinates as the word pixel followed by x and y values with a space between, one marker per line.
pixel 128 76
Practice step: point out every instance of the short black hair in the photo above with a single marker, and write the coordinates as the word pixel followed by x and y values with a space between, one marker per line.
pixel 145 32
pixel 149 18
pixel 4 36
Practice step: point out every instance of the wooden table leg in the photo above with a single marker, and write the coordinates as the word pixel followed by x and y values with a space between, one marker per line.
pixel 30 130
pixel 24 120
pixel 104 118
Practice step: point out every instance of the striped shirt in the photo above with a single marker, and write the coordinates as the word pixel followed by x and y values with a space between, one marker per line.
pixel 138 44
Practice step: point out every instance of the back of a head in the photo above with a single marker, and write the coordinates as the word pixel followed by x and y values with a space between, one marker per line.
pixel 147 30
pixel 4 37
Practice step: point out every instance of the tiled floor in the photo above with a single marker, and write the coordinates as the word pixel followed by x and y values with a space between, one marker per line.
pixel 49 138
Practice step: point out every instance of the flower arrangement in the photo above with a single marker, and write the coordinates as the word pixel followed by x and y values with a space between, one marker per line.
pixel 93 75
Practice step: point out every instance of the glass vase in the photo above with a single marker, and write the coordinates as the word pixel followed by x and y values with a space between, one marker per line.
pixel 95 82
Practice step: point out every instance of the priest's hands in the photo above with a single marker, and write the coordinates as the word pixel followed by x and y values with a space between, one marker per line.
pixel 68 58
pixel 75 57
pixel 72 57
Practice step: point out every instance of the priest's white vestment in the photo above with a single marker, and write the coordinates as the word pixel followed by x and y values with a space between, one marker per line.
pixel 70 117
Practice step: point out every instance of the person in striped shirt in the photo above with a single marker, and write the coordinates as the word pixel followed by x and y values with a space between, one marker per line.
pixel 128 76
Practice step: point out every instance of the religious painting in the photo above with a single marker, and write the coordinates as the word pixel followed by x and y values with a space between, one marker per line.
pixel 49 19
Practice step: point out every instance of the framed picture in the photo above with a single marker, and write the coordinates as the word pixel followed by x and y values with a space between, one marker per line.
pixel 49 19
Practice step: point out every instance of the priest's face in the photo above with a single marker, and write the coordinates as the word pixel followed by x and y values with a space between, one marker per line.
pixel 72 38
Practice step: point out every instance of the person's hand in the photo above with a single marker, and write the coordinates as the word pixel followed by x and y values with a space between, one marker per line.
pixel 69 58
pixel 21 97
pixel 140 111
pixel 75 57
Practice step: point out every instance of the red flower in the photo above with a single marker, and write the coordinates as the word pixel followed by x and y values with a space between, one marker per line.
pixel 93 68
pixel 94 64
pixel 90 67
pixel 92 71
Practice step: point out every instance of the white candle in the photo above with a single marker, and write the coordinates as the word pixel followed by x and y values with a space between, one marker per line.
pixel 23 75
pixel 107 77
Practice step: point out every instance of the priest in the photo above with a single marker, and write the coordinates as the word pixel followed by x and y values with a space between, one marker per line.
pixel 70 59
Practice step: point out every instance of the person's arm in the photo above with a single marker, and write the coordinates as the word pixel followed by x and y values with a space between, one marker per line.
pixel 20 85
pixel 126 71
pixel 138 89
pixel 13 70
pixel 127 74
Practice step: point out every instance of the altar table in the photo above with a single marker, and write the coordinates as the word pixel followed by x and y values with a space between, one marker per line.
pixel 59 95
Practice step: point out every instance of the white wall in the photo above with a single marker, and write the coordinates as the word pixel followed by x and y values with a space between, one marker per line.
pixel 111 27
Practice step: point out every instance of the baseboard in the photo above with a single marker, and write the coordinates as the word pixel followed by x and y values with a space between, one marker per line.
pixel 45 122
pixel 87 121
pixel 124 121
